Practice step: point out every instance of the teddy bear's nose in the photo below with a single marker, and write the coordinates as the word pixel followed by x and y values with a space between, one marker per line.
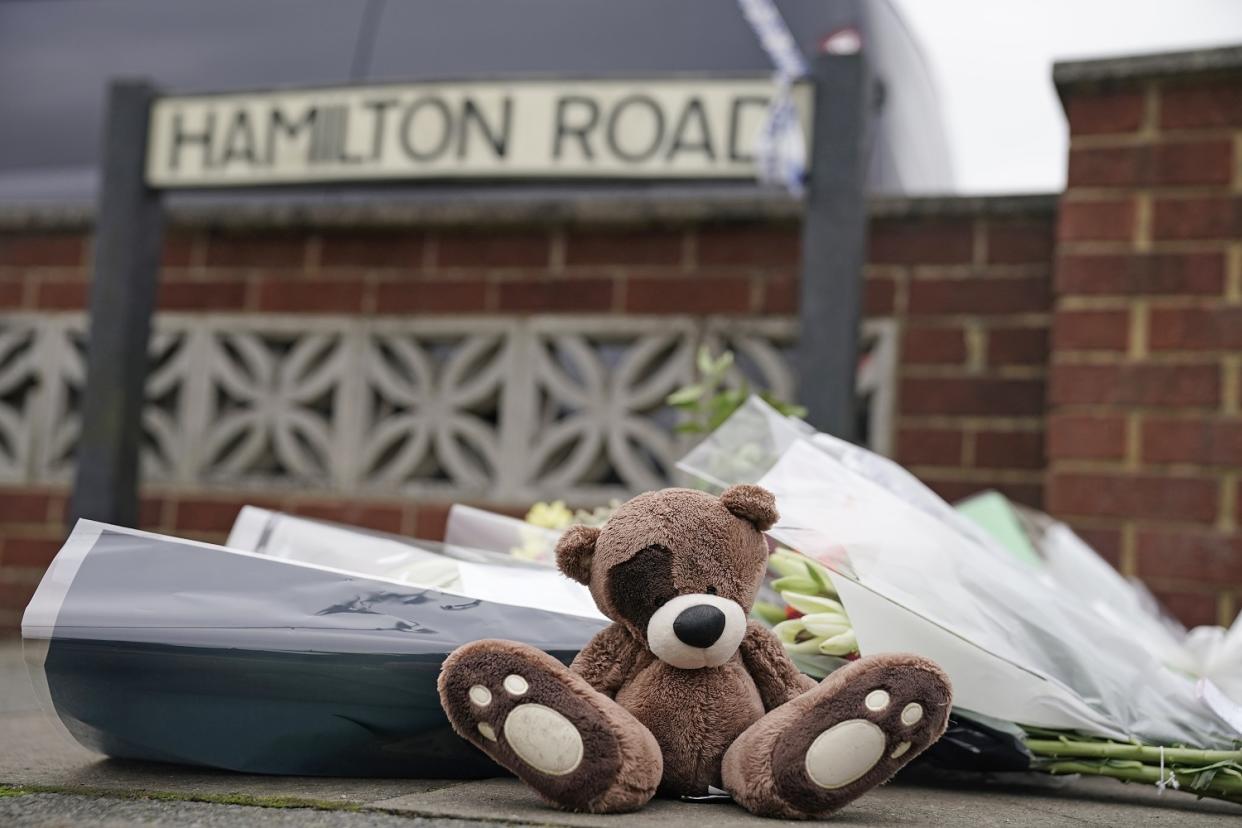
pixel 699 626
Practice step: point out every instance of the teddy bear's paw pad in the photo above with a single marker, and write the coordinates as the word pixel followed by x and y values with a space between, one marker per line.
pixel 545 739
pixel 844 753
pixel 859 728
pixel 533 716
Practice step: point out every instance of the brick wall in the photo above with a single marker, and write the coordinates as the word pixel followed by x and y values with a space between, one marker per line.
pixel 1145 429
pixel 973 293
pixel 716 268
pixel 969 280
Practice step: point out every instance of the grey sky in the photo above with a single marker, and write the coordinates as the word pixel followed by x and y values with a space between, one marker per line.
pixel 992 65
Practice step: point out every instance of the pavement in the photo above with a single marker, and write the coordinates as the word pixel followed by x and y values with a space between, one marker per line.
pixel 47 780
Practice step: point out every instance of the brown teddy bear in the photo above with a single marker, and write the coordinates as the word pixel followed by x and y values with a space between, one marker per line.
pixel 682 692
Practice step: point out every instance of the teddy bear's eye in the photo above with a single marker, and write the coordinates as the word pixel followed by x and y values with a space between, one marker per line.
pixel 711 590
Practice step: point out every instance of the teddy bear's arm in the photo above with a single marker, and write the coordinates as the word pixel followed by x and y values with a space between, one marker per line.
pixel 608 659
pixel 771 668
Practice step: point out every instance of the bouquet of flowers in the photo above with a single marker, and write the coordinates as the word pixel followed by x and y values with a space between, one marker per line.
pixel 1032 627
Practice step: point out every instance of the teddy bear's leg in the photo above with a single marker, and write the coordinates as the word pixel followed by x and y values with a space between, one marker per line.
pixel 579 749
pixel 852 732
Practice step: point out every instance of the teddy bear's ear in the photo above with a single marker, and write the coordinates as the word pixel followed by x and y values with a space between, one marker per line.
pixel 574 551
pixel 753 503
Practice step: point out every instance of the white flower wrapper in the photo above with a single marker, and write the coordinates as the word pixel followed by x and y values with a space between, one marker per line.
pixel 916 576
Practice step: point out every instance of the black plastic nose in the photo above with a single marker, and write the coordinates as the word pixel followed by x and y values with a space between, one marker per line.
pixel 699 626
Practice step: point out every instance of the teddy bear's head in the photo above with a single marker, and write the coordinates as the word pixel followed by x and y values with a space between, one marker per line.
pixel 679 567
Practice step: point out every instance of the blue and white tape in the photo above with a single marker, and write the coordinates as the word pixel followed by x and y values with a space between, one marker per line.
pixel 779 148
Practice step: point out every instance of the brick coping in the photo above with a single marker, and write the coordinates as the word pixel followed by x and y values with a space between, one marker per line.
pixel 1161 64
pixel 456 208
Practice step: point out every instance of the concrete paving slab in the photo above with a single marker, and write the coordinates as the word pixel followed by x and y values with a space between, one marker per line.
pixel 34 753
pixel 16 692
pixel 61 810
pixel 1026 801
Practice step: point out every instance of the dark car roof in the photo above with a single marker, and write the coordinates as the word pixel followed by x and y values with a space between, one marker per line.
pixel 57 56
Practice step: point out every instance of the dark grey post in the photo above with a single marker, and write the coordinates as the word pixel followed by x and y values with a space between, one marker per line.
pixel 834 245
pixel 128 231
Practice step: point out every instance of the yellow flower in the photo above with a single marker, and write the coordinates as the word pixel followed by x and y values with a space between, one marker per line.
pixel 554 515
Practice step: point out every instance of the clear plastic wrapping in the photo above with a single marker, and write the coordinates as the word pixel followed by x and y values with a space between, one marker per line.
pixel 916 575
pixel 150 647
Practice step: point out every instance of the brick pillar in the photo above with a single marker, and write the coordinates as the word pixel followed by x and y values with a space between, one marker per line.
pixel 1145 427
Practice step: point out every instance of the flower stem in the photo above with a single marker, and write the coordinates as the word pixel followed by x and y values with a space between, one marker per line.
pixel 1140 753
pixel 1221 787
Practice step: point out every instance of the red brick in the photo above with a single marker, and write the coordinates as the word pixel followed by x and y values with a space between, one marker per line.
pixel 985 296
pixel 1195 329
pixel 178 250
pixel 555 295
pixel 15 596
pixel 1086 436
pixel 879 296
pixel 780 295
pixel 953 489
pixel 372 250
pixel 1017 346
pixel 431 520
pixel 1156 385
pixel 217 294
pixel 1216 105
pixel 972 396
pixel 1205 442
pixel 749 245
pixel 921 345
pixel 42 249
pixel 1096 220
pixel 634 247
pixel 469 296
pixel 12 294
pixel 1105 542
pixel 1208 217
pixel 1172 273
pixel 698 294
pixel 35 553
pixel 507 249
pixel 151 513
pixel 1184 163
pixel 921 241
pixel 311 295
pixel 1124 166
pixel 1090 330
pixel 1188 163
pixel 380 517
pixel 203 515
pixel 17 506
pixel 1009 449
pixel 1152 497
pixel 265 250
pixel 1193 609
pixel 1120 495
pixel 1209 557
pixel 1020 241
pixel 929 446
pixel 62 294
pixel 1100 113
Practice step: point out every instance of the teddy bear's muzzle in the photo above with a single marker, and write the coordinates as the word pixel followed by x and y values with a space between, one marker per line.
pixel 696 630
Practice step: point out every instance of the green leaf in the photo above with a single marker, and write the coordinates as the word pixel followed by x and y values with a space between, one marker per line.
pixel 688 394
pixel 688 427
pixel 703 360
pixel 794 583
pixel 768 613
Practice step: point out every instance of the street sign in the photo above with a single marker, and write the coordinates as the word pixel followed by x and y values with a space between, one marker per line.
pixel 671 128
